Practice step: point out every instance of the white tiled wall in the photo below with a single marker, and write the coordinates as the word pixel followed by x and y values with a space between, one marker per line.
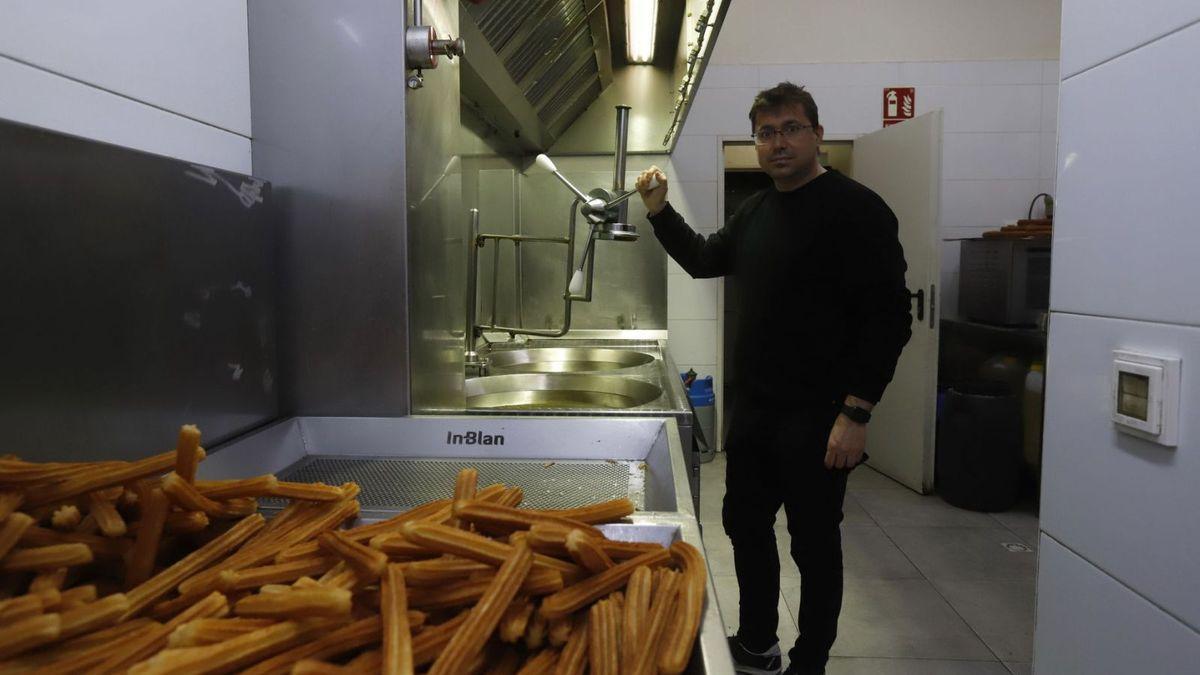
pixel 170 77
pixel 1119 591
pixel 998 150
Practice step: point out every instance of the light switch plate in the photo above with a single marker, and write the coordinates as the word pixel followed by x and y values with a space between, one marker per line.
pixel 1157 419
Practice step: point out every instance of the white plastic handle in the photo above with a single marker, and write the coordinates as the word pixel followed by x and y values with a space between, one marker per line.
pixel 546 163
pixel 653 183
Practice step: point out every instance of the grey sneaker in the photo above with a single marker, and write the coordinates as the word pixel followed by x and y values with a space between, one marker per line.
pixel 747 662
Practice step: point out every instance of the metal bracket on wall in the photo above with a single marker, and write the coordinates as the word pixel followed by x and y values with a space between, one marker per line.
pixel 422 47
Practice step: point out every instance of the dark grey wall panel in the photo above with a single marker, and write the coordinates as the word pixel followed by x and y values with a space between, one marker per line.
pixel 328 117
pixel 137 293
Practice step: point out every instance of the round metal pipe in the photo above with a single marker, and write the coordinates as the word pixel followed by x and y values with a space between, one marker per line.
pixel 621 148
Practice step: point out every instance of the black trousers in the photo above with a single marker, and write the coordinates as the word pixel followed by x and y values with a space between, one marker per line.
pixel 776 457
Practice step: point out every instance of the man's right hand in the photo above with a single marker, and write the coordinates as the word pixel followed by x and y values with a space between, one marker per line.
pixel 654 198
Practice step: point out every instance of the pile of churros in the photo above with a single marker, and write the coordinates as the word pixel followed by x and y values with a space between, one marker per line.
pixel 140 568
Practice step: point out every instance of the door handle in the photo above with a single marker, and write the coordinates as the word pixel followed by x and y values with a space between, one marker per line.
pixel 920 297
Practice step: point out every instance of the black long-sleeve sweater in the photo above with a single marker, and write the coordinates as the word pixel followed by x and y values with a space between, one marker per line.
pixel 823 309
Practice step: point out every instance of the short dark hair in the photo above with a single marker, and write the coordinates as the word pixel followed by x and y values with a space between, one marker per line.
pixel 784 95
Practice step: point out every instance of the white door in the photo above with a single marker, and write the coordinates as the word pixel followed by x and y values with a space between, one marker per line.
pixel 903 163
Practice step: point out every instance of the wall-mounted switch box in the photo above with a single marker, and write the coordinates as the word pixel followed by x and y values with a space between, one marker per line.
pixel 1145 396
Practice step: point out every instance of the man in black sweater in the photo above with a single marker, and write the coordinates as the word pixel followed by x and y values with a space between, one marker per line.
pixel 823 316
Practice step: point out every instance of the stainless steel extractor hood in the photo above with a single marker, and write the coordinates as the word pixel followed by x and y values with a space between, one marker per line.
pixel 535 69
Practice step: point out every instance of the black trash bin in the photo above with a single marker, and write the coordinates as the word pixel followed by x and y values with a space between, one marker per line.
pixel 979 447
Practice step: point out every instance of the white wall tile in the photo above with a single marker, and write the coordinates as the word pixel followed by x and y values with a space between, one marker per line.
pixel 985 204
pixel 692 340
pixel 849 110
pixel 1125 232
pixel 689 298
pixel 915 74
pixel 720 112
pixel 990 156
pixel 1049 153
pixel 1049 108
pixel 984 108
pixel 57 103
pixel 877 75
pixel 696 158
pixel 188 57
pixel 1126 504
pixel 696 202
pixel 1097 30
pixel 729 77
pixel 1050 73
pixel 1089 623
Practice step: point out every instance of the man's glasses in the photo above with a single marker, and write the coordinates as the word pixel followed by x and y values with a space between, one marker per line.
pixel 789 132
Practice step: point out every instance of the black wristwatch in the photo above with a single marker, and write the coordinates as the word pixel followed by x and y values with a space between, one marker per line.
pixel 856 414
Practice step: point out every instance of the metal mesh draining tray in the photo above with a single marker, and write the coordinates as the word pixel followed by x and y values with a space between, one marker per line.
pixel 390 483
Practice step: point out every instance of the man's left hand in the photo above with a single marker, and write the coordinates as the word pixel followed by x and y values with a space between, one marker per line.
pixel 847 441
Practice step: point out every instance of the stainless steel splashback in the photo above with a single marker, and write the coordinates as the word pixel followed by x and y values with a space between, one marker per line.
pixel 137 293
pixel 328 105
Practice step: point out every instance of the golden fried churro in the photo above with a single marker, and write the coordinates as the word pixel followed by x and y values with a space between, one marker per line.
pixel 29 633
pixel 102 547
pixel 362 633
pixel 258 486
pixel 662 606
pixel 481 622
pixel 676 649
pixel 439 571
pixel 21 607
pixel 66 517
pixel 187 452
pixel 430 643
pixel 559 631
pixel 477 547
pixel 46 558
pixel 366 663
pixel 154 508
pixel 146 644
pixel 551 539
pixel 539 582
pixel 535 632
pixel 109 521
pixel 74 597
pixel 309 492
pixel 512 496
pixel 397 636
pixel 587 552
pixel 186 522
pixel 315 667
pixel 145 594
pixel 296 603
pixel 96 478
pixel 594 514
pixel 185 495
pixel 603 639
pixel 591 589
pixel 574 657
pixel 515 620
pixel 228 655
pixel 94 615
pixel 11 531
pixel 253 577
pixel 366 562
pixel 502 519
pixel 464 490
pixel 210 631
pixel 637 608
pixel 103 637
pixel 10 501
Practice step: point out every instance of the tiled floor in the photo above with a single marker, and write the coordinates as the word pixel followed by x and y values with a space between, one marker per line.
pixel 930 589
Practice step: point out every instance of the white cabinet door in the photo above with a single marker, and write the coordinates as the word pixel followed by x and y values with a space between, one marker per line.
pixel 903 163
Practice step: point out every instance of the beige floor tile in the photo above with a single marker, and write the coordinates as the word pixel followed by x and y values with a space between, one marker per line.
pixel 858 666
pixel 1019 668
pixel 1000 612
pixel 905 508
pixel 964 553
pixel 901 618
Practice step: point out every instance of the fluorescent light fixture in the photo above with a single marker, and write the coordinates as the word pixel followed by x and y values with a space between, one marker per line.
pixel 641 17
